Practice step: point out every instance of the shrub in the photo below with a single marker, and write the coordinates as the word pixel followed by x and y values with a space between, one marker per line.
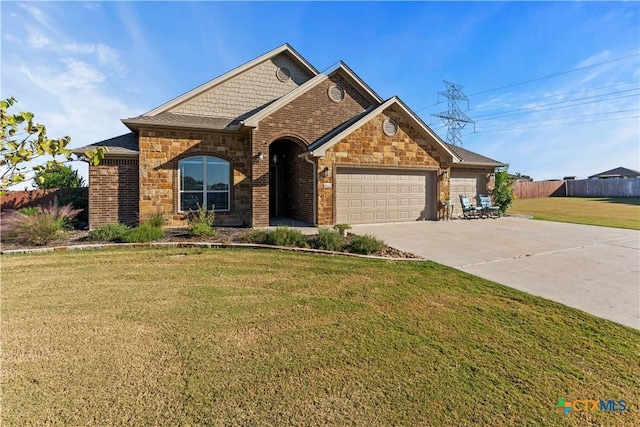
pixel 257 236
pixel 201 223
pixel 281 236
pixel 342 227
pixel 503 191
pixel 109 232
pixel 329 240
pixel 144 233
pixel 30 210
pixel 285 236
pixel 366 244
pixel 47 225
pixel 157 220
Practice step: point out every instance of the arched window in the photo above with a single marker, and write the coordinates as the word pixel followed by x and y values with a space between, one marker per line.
pixel 204 181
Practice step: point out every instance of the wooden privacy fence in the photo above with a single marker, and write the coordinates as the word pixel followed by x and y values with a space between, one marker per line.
pixel 21 199
pixel 610 187
pixel 536 189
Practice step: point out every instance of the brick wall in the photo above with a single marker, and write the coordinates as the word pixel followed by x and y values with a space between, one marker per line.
pixel 160 151
pixel 305 119
pixel 113 192
pixel 369 146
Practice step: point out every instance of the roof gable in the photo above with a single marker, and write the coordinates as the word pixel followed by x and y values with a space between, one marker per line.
pixel 245 88
pixel 342 69
pixel 319 147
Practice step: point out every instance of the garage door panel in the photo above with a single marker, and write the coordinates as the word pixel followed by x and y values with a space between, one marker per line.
pixel 370 196
pixel 470 185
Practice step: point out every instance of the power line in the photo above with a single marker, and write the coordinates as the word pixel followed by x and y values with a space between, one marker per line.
pixel 558 74
pixel 551 96
pixel 558 124
pixel 565 118
pixel 545 77
pixel 536 109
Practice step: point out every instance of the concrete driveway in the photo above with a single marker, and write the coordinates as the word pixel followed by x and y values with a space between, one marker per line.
pixel 594 269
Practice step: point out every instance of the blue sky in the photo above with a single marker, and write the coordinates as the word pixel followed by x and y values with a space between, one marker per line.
pixel 554 87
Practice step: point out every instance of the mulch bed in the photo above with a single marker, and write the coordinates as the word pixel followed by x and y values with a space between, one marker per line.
pixel 225 235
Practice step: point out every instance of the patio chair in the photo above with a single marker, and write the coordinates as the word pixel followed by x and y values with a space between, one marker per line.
pixel 488 209
pixel 468 210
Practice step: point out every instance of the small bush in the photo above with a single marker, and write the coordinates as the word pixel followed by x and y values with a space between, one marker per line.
pixel 157 220
pixel 144 233
pixel 366 245
pixel 257 236
pixel 109 232
pixel 30 210
pixel 329 240
pixel 201 223
pixel 47 225
pixel 285 236
pixel 342 227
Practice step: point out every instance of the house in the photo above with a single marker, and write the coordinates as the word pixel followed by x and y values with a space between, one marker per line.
pixel 276 138
pixel 619 172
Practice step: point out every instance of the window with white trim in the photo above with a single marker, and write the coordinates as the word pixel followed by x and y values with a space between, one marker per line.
pixel 204 181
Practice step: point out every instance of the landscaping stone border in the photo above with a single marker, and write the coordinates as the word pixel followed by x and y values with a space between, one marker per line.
pixel 190 245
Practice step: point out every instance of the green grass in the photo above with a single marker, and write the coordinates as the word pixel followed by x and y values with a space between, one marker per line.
pixel 619 212
pixel 249 337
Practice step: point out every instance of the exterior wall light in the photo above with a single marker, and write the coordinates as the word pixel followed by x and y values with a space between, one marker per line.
pixel 260 156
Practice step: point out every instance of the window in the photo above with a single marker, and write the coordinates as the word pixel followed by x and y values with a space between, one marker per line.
pixel 204 181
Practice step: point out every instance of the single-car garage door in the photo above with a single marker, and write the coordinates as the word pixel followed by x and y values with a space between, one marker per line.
pixel 375 196
pixel 468 184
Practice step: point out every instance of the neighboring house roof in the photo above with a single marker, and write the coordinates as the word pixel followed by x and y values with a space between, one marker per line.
pixel 120 146
pixel 374 98
pixel 320 146
pixel 473 159
pixel 618 172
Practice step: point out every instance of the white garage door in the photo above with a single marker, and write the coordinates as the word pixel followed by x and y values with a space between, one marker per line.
pixel 374 196
pixel 468 184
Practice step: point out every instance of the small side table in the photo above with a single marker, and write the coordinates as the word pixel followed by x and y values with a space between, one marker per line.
pixel 448 211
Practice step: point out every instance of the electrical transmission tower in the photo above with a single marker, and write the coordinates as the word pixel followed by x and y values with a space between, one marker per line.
pixel 454 118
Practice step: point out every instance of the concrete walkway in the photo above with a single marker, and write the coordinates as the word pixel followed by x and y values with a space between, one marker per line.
pixel 595 269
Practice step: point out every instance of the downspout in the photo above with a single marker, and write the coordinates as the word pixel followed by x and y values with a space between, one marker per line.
pixel 315 187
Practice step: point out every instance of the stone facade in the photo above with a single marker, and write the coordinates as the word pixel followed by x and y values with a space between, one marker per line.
pixel 272 171
pixel 368 146
pixel 305 119
pixel 160 152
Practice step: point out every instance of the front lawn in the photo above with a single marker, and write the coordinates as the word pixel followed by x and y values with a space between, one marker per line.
pixel 619 212
pixel 255 337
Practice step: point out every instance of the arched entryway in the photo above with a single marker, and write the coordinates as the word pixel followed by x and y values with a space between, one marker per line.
pixel 290 182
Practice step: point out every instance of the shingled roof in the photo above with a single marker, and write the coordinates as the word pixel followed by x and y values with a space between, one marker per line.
pixel 120 146
pixel 473 159
pixel 618 172
pixel 183 121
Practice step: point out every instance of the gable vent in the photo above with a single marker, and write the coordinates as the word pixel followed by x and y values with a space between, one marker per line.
pixel 389 126
pixel 283 74
pixel 336 93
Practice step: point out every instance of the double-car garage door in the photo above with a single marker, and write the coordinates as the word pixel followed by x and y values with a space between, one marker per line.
pixel 375 196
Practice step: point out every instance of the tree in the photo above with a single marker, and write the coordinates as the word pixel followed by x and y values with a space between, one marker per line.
pixel 503 191
pixel 18 149
pixel 59 176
